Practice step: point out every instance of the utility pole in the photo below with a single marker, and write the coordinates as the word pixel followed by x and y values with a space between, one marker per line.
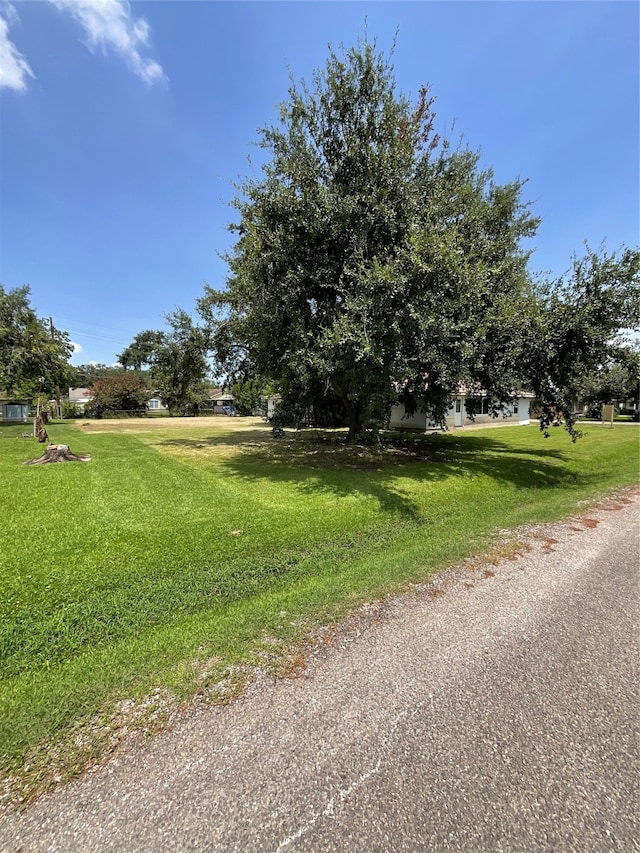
pixel 58 406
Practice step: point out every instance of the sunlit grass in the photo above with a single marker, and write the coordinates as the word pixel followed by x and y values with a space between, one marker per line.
pixel 186 549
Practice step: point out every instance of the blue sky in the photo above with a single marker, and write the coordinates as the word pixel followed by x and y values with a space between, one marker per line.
pixel 124 125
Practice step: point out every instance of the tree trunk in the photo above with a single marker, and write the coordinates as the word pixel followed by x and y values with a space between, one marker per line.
pixel 40 430
pixel 57 453
pixel 354 411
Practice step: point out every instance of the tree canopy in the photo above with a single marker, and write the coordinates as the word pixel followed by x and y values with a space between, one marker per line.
pixel 576 328
pixel 84 375
pixel 616 382
pixel 121 392
pixel 376 263
pixel 177 359
pixel 373 260
pixel 32 360
pixel 142 350
pixel 248 397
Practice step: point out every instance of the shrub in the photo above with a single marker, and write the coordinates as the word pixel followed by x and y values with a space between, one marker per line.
pixel 70 410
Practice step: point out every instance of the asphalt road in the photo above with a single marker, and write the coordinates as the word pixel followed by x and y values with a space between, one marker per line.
pixel 496 712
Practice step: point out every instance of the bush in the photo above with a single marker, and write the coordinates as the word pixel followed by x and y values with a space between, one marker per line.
pixel 70 410
pixel 122 392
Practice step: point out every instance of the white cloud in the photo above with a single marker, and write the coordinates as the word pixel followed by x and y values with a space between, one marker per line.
pixel 108 23
pixel 8 12
pixel 76 347
pixel 14 68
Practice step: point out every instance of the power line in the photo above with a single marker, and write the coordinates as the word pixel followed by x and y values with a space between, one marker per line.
pixel 72 327
pixel 77 333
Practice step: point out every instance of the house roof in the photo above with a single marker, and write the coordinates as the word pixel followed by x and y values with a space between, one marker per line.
pixel 80 395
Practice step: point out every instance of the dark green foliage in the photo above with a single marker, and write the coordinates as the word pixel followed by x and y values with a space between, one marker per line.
pixel 575 324
pixel 248 397
pixel 84 375
pixel 616 381
pixel 70 411
pixel 375 263
pixel 178 362
pixel 142 350
pixel 32 361
pixel 371 260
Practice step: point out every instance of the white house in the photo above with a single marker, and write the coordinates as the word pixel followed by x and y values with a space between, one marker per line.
pixel 517 413
pixel 155 404
pixel 271 402
pixel 79 397
pixel 221 403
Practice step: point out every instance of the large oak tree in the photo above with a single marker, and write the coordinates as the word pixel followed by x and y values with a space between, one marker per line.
pixel 371 259
pixel 374 262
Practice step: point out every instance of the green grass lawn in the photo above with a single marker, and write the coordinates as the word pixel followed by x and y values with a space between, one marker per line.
pixel 186 552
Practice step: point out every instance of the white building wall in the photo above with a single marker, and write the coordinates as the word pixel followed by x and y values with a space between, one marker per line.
pixel 524 413
pixel 517 414
pixel 418 421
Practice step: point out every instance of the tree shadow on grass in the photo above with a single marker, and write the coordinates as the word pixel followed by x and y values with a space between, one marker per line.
pixel 316 461
pixel 311 463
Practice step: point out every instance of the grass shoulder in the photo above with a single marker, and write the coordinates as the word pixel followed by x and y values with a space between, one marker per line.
pixel 188 554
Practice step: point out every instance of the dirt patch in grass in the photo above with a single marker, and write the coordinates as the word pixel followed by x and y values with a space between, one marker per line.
pixel 119 728
pixel 216 423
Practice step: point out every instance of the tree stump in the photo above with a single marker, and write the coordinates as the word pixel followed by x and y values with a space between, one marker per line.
pixel 41 432
pixel 57 453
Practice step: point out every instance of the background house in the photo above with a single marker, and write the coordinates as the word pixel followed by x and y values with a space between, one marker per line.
pixel 271 402
pixel 155 404
pixel 518 412
pixel 79 397
pixel 221 402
